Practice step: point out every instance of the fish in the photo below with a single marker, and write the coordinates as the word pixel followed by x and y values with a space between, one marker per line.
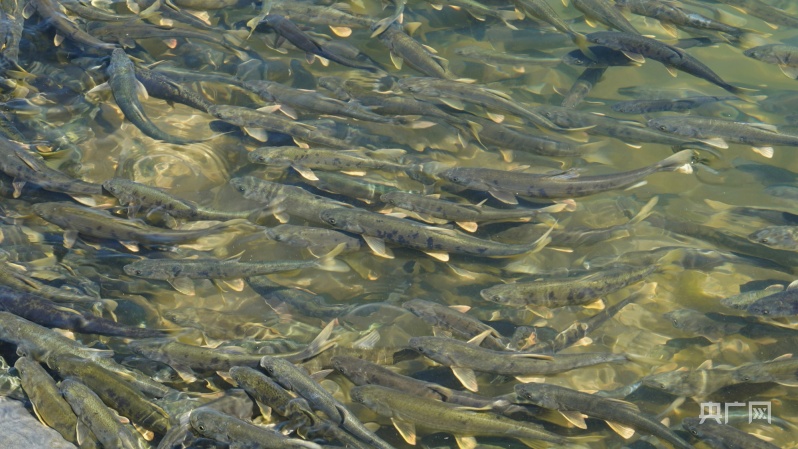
pixel 48 404
pixel 602 57
pixel 78 220
pixel 25 166
pixel 256 122
pixel 113 391
pixel 599 11
pixel 180 272
pixel 723 435
pixel 480 11
pixel 286 200
pixel 52 14
pixel 267 392
pixel 454 92
pixel 506 185
pixel 41 311
pixel 639 47
pixel 770 14
pixel 184 358
pixel 452 319
pixel 717 132
pixel 467 216
pixel 161 86
pixel 376 229
pixel 671 15
pixel 695 323
pixel 785 56
pixel 582 86
pixel 408 411
pixel 675 105
pixel 541 10
pixel 136 195
pixel 126 89
pixel 464 358
pixel 228 429
pixel 405 49
pixel 94 415
pixel 518 138
pixel 304 160
pixel 293 379
pixel 288 30
pixel 783 303
pixel 290 98
pixel 353 187
pixel 742 300
pixel 623 417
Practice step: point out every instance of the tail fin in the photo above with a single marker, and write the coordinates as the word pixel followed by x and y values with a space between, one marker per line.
pixel 327 262
pixel 681 161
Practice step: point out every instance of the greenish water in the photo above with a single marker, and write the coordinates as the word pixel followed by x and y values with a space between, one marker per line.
pixel 732 192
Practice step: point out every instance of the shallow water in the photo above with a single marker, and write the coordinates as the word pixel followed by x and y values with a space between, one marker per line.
pixel 368 298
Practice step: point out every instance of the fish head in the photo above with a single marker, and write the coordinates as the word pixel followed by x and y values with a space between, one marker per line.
pixel 206 421
pixel 579 59
pixel 340 218
pixel 433 348
pixel 692 425
pixel 498 294
pixel 260 156
pixel 538 394
pixel 775 237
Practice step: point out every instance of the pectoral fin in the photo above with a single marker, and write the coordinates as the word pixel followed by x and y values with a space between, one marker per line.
pixel 625 431
pixel 466 442
pixel 182 284
pixel 305 172
pixel 405 428
pixel 467 377
pixel 575 418
pixel 378 246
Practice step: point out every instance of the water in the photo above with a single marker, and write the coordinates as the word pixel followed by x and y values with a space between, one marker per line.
pixel 250 318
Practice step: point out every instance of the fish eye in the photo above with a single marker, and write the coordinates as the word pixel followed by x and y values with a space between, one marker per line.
pixel 137 272
pixel 331 220
pixel 694 431
pixel 764 240
pixel 496 298
pixel 201 428
pixel 662 128
pixel 675 323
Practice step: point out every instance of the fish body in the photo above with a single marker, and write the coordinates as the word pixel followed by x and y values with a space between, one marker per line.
pixel 582 86
pixel 293 379
pixel 501 183
pixel 418 236
pixel 25 166
pixel 317 240
pixel 783 303
pixel 123 83
pixel 253 121
pixel 98 224
pixel 312 101
pixel 539 9
pixel 668 55
pixel 114 391
pixel 671 14
pixel 451 211
pixel 442 89
pixel 602 57
pixel 606 13
pixel 41 311
pixel 54 16
pixel 225 428
pixel 458 323
pixel 351 186
pixel 523 139
pixel 690 383
pixel 161 86
pixel 50 407
pixel 443 417
pixel 405 48
pixel 211 268
pixel 456 353
pixel 676 105
pixel 321 158
pixel 707 128
pixel 723 435
pixel 608 126
pixel 566 292
pixel 99 418
pixel 136 195
pixel 764 11
pixel 554 397
pixel 785 56
pixel 292 200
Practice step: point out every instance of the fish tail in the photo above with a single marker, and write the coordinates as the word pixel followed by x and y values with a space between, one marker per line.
pixel 327 262
pixel 745 94
pixel 645 211
pixel 582 43
pixel 681 161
